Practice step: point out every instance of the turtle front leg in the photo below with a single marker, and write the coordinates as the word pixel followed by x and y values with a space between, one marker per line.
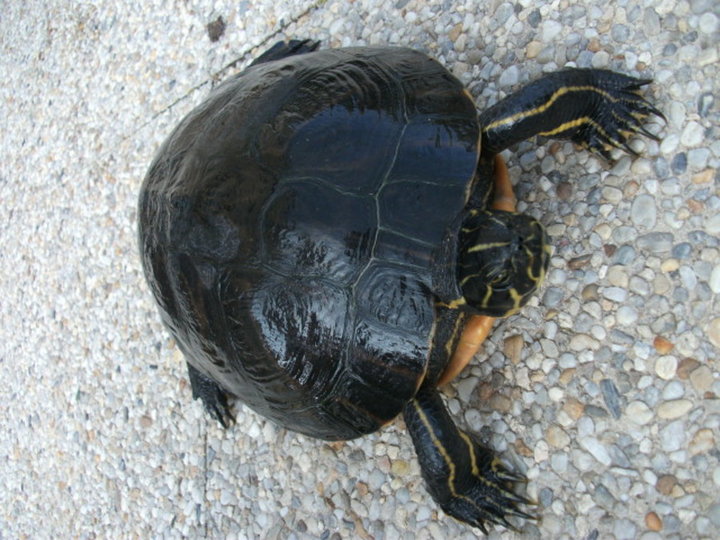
pixel 465 478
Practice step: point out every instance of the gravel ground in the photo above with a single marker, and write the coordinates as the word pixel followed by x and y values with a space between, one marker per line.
pixel 604 390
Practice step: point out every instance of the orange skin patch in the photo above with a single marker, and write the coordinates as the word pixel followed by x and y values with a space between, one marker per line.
pixel 478 326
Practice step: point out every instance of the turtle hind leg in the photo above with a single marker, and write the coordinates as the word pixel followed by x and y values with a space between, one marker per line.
pixel 596 108
pixel 283 49
pixel 465 478
pixel 214 398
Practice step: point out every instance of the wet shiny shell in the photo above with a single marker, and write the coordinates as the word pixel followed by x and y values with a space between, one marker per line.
pixel 288 227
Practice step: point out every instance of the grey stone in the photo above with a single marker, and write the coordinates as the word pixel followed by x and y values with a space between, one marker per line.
pixel 559 462
pixel 638 412
pixel 503 13
pixel 626 315
pixel 688 277
pixel 553 296
pixel 655 242
pixel 509 77
pixel 679 163
pixel 673 390
pixel 673 436
pixel 713 513
pixel 624 255
pixel 550 31
pixel 611 396
pixel 662 169
pixel 692 135
pixel 643 211
pixel 619 457
pixel 624 234
pixel 651 21
pixel 620 32
pixel 596 449
pixel 595 411
pixel 616 294
pixel 603 497
pixel 705 103
pixel 624 529
pixel 534 18
pixel 698 158
pixel 546 497
pixel 682 250
pixel 698 7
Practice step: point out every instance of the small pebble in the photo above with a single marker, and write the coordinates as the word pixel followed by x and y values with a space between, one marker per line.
pixel 596 449
pixel 643 211
pixel 673 390
pixel 590 292
pixel 682 250
pixel 673 436
pixel 662 345
pixel 679 163
pixel 666 367
pixel 713 332
pixel 674 409
pixel 692 135
pixel 703 177
pixel 686 367
pixel 715 279
pixel 574 408
pixel 705 103
pixel 714 513
pixel 615 294
pixel 617 276
pixel 655 242
pixel 583 342
pixel 653 521
pixel 702 442
pixel 702 379
pixel 556 437
pixel 666 483
pixel 550 30
pixel 638 412
pixel 611 397
pixel 625 255
pixel 708 23
pixel 513 346
pixel 626 315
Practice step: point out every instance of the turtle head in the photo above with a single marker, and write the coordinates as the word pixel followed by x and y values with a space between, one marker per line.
pixel 502 260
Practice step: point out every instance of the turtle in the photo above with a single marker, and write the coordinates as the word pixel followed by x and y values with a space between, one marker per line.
pixel 329 235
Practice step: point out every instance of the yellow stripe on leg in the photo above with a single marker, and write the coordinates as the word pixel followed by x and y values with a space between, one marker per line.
pixel 549 103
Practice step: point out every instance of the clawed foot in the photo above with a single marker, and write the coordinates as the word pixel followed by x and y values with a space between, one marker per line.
pixel 213 397
pixel 486 494
pixel 465 478
pixel 620 115
pixel 283 49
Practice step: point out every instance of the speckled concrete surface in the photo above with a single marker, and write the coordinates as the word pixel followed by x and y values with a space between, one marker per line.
pixel 604 390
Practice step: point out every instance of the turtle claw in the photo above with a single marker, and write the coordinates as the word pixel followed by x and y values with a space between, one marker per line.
pixel 509 476
pixel 618 117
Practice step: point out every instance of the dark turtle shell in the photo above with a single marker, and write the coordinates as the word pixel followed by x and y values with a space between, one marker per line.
pixel 288 228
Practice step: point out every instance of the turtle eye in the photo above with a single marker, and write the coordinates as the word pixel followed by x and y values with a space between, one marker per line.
pixel 501 278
